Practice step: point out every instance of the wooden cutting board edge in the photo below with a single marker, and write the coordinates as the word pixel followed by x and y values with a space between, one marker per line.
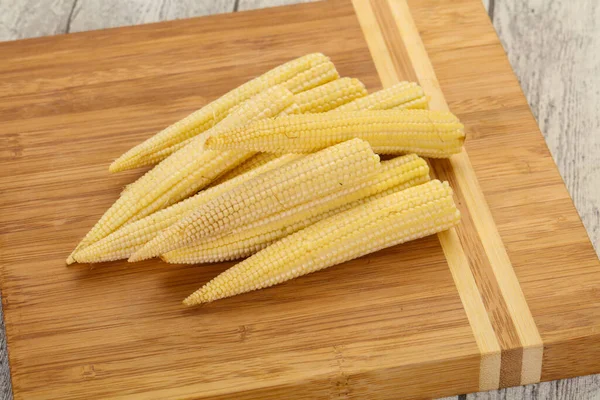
pixel 511 353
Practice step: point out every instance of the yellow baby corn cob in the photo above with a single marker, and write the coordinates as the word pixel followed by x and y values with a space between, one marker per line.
pixel 292 109
pixel 323 98
pixel 298 182
pixel 427 133
pixel 158 156
pixel 329 96
pixel 320 99
pixel 417 104
pixel 403 95
pixel 326 94
pixel 399 217
pixel 184 172
pixel 122 243
pixel 253 162
pixel 297 75
pixel 399 173
pixel 318 74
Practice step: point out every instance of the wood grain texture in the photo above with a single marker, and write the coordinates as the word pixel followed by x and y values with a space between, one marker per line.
pixel 550 49
pixel 554 239
pixel 553 49
pixel 394 60
pixel 508 311
pixel 564 392
pixel 346 332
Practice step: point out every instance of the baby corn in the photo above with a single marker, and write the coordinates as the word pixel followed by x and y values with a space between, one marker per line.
pixel 399 217
pixel 298 182
pixel 122 243
pixel 320 99
pixel 329 96
pixel 253 162
pixel 427 133
pixel 399 173
pixel 184 172
pixel 297 75
pixel 403 95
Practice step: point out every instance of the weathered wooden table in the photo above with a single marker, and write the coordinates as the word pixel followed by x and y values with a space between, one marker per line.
pixel 551 46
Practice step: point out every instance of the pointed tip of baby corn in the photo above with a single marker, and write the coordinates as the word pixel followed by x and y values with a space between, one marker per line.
pixel 135 157
pixel 197 298
pixel 191 301
pixel 122 164
pixel 114 167
pixel 139 255
pixel 72 259
pixel 89 255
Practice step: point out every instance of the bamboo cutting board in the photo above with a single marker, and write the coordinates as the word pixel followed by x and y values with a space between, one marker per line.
pixel 512 296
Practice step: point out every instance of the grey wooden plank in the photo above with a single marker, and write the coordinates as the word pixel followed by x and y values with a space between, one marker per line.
pixel 256 4
pixel 244 5
pixel 5 383
pixel 581 388
pixel 100 14
pixel 21 19
pixel 553 49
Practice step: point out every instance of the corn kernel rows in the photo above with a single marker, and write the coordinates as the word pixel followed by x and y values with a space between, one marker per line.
pixel 122 243
pixel 399 217
pixel 311 177
pixel 329 96
pixel 297 75
pixel 403 95
pixel 427 133
pixel 184 172
pixel 248 165
pixel 320 99
pixel 401 172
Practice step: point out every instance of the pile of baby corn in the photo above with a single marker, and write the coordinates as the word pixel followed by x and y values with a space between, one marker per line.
pixel 283 170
